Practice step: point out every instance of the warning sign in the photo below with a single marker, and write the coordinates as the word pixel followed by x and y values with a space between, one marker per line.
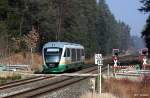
pixel 98 59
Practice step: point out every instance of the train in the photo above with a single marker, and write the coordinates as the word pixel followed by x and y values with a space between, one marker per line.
pixel 62 56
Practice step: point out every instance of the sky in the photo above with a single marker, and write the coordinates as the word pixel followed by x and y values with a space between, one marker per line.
pixel 127 11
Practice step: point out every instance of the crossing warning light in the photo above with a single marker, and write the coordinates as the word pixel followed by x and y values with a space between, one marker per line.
pixel 144 51
pixel 115 52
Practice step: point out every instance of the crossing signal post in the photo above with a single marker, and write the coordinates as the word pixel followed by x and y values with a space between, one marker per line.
pixel 99 62
pixel 144 61
pixel 143 57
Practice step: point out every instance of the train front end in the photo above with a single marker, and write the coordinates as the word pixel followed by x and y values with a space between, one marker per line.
pixel 52 58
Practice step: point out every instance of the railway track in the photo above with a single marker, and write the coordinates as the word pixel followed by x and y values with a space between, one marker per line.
pixel 51 87
pixel 35 78
pixel 23 81
pixel 48 82
pixel 48 85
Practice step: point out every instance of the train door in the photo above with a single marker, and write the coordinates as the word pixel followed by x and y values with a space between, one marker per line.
pixel 67 56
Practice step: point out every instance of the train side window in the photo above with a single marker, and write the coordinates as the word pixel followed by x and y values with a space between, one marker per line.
pixel 73 56
pixel 82 52
pixel 67 52
pixel 78 55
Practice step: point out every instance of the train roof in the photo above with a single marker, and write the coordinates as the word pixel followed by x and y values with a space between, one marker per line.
pixel 61 44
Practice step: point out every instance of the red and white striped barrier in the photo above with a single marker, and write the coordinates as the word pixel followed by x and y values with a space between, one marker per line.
pixel 132 66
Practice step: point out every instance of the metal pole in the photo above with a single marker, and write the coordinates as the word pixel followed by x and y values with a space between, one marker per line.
pixel 108 72
pixel 114 70
pixel 100 81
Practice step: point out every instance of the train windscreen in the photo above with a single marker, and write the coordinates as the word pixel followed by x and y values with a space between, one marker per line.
pixel 52 55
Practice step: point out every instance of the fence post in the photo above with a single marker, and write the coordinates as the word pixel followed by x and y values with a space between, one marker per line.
pixel 108 71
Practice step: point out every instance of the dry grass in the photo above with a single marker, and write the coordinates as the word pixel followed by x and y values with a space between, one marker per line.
pixel 37 62
pixel 8 76
pixel 24 58
pixel 95 95
pixel 123 89
pixel 89 61
pixel 128 89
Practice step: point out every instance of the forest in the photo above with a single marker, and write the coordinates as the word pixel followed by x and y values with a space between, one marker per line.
pixel 26 24
pixel 146 31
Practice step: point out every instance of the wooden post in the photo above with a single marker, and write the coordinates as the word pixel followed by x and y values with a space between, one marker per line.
pixel 31 65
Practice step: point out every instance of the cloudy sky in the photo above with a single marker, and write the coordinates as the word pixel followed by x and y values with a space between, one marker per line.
pixel 127 11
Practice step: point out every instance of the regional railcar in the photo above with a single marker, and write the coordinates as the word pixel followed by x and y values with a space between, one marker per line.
pixel 62 56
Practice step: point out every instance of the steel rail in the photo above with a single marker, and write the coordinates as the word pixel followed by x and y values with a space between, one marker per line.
pixel 61 85
pixel 37 90
pixel 18 81
pixel 29 80
pixel 22 82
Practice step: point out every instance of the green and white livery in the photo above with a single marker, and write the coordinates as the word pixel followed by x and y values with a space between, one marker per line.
pixel 62 56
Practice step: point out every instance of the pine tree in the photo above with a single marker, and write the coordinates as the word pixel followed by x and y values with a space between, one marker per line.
pixel 146 31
